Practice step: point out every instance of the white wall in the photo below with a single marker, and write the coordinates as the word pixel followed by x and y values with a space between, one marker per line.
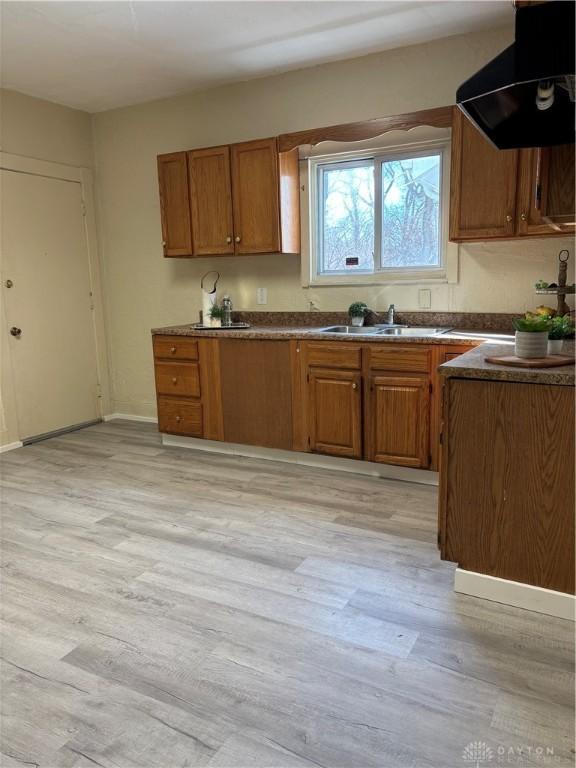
pixel 144 290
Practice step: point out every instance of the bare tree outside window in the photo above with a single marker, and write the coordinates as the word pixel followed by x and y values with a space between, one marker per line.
pixel 399 230
pixel 348 218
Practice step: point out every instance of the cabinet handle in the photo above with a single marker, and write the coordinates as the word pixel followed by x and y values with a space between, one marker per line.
pixel 174 379
pixel 508 218
pixel 228 239
pixel 173 350
pixel 354 386
pixel 178 418
pixel 237 238
pixel 523 216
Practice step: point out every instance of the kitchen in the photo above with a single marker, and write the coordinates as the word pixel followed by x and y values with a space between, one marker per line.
pixel 288 496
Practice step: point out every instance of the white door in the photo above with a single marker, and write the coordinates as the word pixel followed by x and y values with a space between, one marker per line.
pixel 49 304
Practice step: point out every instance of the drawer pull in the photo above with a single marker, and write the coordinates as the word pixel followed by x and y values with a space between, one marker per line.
pixel 174 380
pixel 178 418
pixel 173 349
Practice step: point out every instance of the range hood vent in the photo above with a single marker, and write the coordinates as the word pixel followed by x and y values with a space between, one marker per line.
pixel 525 96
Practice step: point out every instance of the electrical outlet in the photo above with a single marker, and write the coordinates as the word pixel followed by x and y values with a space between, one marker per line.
pixel 262 295
pixel 424 298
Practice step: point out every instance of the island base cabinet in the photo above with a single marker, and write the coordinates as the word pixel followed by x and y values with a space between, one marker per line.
pixel 335 412
pixel 398 420
pixel 506 501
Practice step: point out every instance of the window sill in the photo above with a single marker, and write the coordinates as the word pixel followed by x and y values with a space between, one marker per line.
pixel 378 278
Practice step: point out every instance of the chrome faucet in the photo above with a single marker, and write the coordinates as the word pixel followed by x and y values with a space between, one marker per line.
pixel 390 315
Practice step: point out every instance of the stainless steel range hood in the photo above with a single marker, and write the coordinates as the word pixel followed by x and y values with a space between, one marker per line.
pixel 525 96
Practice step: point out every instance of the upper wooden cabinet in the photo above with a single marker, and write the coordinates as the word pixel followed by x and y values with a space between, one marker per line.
pixel 211 201
pixel 496 194
pixel 174 205
pixel 237 199
pixel 482 185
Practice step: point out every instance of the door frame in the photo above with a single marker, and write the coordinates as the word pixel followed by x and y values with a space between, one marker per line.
pixel 9 427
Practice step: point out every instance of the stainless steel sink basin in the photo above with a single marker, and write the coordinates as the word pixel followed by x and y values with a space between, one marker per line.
pixel 382 330
pixel 362 330
pixel 412 331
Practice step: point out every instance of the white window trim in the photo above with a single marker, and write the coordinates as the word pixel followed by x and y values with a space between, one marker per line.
pixel 446 273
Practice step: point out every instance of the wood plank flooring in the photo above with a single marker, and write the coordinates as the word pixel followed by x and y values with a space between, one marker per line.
pixel 167 608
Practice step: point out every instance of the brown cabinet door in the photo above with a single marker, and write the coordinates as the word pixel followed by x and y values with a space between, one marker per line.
pixel 175 204
pixel 211 201
pixel 255 194
pixel 546 204
pixel 398 417
pixel 482 185
pixel 335 413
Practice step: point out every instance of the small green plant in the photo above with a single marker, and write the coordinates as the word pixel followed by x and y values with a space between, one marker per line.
pixel 216 312
pixel 358 309
pixel 561 327
pixel 541 284
pixel 536 324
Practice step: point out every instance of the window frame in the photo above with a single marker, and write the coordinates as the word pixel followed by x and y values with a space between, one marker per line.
pixel 380 275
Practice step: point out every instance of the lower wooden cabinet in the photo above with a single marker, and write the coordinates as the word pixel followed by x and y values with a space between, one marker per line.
pixel 180 416
pixel 398 420
pixel 335 412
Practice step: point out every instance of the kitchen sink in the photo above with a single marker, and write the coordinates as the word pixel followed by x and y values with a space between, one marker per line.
pixel 382 330
pixel 412 331
pixel 359 330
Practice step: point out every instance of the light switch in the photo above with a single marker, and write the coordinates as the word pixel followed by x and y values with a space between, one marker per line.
pixel 262 295
pixel 424 298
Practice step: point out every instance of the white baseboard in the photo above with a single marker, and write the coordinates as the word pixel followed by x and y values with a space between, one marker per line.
pixel 355 466
pixel 10 446
pixel 515 593
pixel 130 417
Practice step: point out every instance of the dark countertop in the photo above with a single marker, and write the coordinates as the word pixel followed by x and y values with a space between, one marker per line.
pixel 472 365
pixel 313 333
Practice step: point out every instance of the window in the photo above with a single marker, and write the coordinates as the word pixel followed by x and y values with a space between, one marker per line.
pixel 379 215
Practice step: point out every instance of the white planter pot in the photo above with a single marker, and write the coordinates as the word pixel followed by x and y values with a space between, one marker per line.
pixel 357 321
pixel 531 344
pixel 555 346
pixel 216 322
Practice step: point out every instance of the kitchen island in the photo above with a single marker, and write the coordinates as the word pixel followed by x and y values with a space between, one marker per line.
pixel 506 508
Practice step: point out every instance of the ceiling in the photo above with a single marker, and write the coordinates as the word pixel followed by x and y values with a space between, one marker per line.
pixel 100 55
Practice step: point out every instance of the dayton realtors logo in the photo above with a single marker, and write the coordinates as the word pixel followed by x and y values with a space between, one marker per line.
pixel 477 753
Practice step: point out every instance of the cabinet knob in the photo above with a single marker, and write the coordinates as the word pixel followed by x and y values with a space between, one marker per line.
pixel 164 243
pixel 228 239
pixel 173 350
pixel 237 238
pixel 178 418
pixel 508 218
pixel 523 216
pixel 354 386
pixel 174 379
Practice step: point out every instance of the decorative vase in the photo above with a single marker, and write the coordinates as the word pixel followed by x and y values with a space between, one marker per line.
pixel 358 320
pixel 216 322
pixel 555 346
pixel 531 343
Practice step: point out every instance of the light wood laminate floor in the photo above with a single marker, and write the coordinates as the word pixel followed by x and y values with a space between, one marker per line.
pixel 163 607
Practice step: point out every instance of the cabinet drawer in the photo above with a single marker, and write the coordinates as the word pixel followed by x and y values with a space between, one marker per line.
pixel 177 379
pixel 393 357
pixel 179 416
pixel 176 347
pixel 327 355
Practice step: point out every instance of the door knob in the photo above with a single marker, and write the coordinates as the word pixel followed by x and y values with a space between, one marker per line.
pixel 17 332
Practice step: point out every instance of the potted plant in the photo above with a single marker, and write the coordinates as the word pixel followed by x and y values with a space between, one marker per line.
pixel 560 328
pixel 532 335
pixel 216 315
pixel 357 312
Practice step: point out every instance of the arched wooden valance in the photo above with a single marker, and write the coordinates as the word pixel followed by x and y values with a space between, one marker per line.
pixel 439 117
